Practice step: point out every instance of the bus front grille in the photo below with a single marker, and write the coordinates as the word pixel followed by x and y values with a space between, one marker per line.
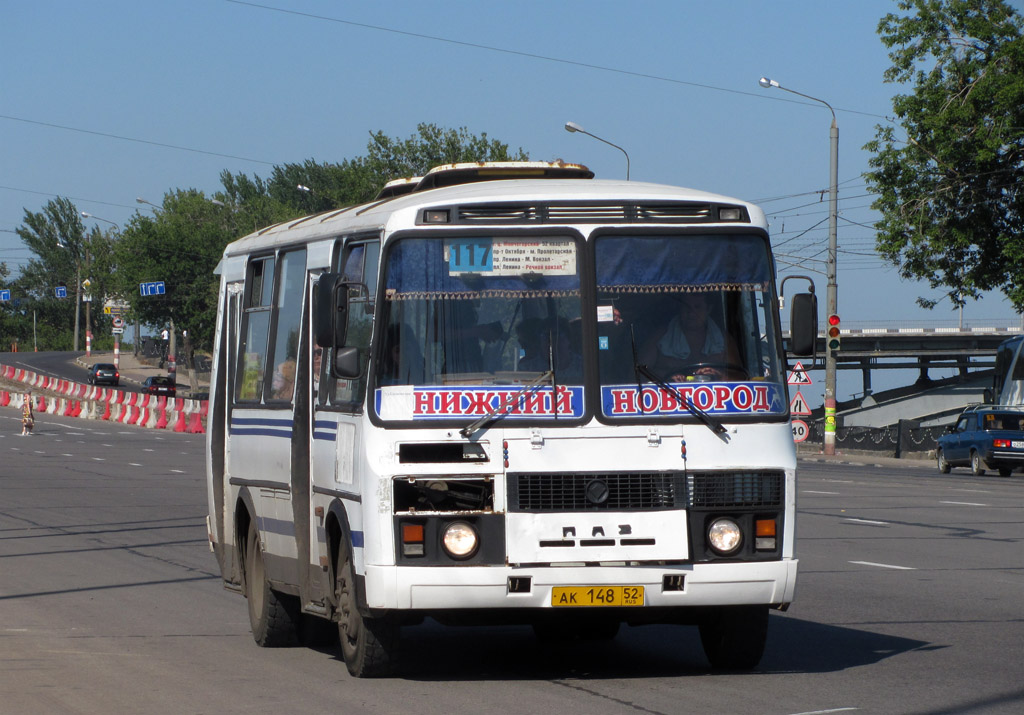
pixel 643 491
pixel 596 492
pixel 735 489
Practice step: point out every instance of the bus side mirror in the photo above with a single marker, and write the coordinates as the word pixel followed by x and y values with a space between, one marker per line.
pixel 331 310
pixel 346 363
pixel 803 325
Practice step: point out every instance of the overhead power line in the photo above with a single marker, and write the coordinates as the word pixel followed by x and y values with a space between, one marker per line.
pixel 534 56
pixel 134 139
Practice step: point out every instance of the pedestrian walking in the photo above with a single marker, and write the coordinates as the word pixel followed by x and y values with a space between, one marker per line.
pixel 28 420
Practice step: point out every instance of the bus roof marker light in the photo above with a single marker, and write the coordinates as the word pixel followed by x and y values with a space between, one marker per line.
pixel 730 213
pixel 435 216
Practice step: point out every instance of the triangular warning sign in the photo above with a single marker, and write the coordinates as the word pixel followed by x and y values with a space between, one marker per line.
pixel 798 405
pixel 798 375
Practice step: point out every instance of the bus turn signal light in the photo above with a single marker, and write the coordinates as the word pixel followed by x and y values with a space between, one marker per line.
pixel 412 539
pixel 764 535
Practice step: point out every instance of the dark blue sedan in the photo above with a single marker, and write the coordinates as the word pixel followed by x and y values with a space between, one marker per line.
pixel 987 437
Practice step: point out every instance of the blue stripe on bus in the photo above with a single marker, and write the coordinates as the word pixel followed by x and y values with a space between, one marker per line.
pixel 276 526
pixel 357 539
pixel 261 432
pixel 265 421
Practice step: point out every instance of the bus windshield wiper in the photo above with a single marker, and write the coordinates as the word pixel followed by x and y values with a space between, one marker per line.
pixel 507 403
pixel 707 420
pixel 641 370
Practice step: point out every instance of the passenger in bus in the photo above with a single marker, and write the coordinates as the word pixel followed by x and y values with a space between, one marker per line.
pixel 283 381
pixel 692 345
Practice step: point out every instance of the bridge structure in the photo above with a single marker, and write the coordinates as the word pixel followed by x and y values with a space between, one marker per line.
pixel 970 352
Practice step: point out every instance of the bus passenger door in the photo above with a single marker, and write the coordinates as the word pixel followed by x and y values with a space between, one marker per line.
pixel 337 406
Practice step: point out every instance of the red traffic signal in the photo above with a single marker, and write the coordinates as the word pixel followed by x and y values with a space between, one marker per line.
pixel 833 332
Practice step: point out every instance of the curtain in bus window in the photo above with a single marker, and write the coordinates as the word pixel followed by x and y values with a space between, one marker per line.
pixel 653 264
pixel 289 314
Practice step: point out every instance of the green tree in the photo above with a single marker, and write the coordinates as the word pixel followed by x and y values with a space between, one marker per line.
pixel 180 246
pixel 57 237
pixel 358 180
pixel 950 193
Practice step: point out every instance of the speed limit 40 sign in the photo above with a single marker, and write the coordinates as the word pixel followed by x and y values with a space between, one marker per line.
pixel 800 430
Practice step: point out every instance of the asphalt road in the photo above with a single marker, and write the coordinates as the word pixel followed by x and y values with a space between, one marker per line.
pixel 909 601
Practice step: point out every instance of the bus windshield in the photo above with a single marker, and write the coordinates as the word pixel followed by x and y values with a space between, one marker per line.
pixel 471 313
pixel 693 312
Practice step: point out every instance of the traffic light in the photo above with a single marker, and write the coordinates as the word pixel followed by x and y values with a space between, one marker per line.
pixel 833 332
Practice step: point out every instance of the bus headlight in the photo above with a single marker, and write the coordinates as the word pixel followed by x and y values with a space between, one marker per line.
pixel 460 540
pixel 724 536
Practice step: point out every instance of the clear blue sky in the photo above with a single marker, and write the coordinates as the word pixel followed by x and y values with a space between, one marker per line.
pixel 673 82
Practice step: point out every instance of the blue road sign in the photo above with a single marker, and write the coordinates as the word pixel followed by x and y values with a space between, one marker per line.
pixel 5 295
pixel 152 288
pixel 61 291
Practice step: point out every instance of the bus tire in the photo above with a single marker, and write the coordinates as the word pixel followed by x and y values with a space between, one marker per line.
pixel 273 616
pixel 940 458
pixel 977 466
pixel 368 645
pixel 734 637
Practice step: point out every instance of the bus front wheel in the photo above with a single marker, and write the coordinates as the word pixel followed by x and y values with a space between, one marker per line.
pixel 273 616
pixel 734 636
pixel 368 645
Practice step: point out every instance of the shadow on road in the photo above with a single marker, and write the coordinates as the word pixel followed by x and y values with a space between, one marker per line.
pixel 434 652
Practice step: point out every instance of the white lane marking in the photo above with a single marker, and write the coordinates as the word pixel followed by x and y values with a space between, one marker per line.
pixel 867 521
pixel 811 491
pixel 884 566
pixel 962 503
pixel 99 459
pixel 178 471
pixel 830 710
pixel 972 491
pixel 133 464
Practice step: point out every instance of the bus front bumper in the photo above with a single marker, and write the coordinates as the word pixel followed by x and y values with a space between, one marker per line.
pixel 498 587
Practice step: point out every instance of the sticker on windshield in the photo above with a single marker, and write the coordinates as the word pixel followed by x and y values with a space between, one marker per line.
pixel 714 398
pixel 510 256
pixel 405 402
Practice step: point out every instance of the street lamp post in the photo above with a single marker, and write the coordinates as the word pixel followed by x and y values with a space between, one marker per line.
pixel 573 127
pixel 153 207
pixel 829 444
pixel 88 303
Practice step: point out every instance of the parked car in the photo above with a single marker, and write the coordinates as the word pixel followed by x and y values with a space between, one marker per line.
pixel 103 373
pixel 159 385
pixel 988 437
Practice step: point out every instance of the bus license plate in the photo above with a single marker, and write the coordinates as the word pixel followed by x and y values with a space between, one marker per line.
pixel 597 596
pixel 1017 444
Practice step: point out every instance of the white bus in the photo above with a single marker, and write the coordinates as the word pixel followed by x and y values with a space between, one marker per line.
pixel 1008 377
pixel 506 393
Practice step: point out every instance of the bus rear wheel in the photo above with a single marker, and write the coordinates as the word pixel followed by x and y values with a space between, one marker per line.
pixel 273 616
pixel 734 636
pixel 368 645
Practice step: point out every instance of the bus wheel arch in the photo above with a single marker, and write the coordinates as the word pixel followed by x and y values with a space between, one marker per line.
pixel 369 644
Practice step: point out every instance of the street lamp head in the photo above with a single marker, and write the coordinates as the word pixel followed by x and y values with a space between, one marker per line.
pixel 303 187
pixel 767 83
pixel 573 127
pixel 86 214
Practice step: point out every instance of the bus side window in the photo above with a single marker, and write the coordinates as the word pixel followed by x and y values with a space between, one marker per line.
pixel 255 330
pixel 359 265
pixel 288 314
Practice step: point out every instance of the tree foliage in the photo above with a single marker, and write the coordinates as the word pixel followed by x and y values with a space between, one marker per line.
pixel 181 242
pixel 950 193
